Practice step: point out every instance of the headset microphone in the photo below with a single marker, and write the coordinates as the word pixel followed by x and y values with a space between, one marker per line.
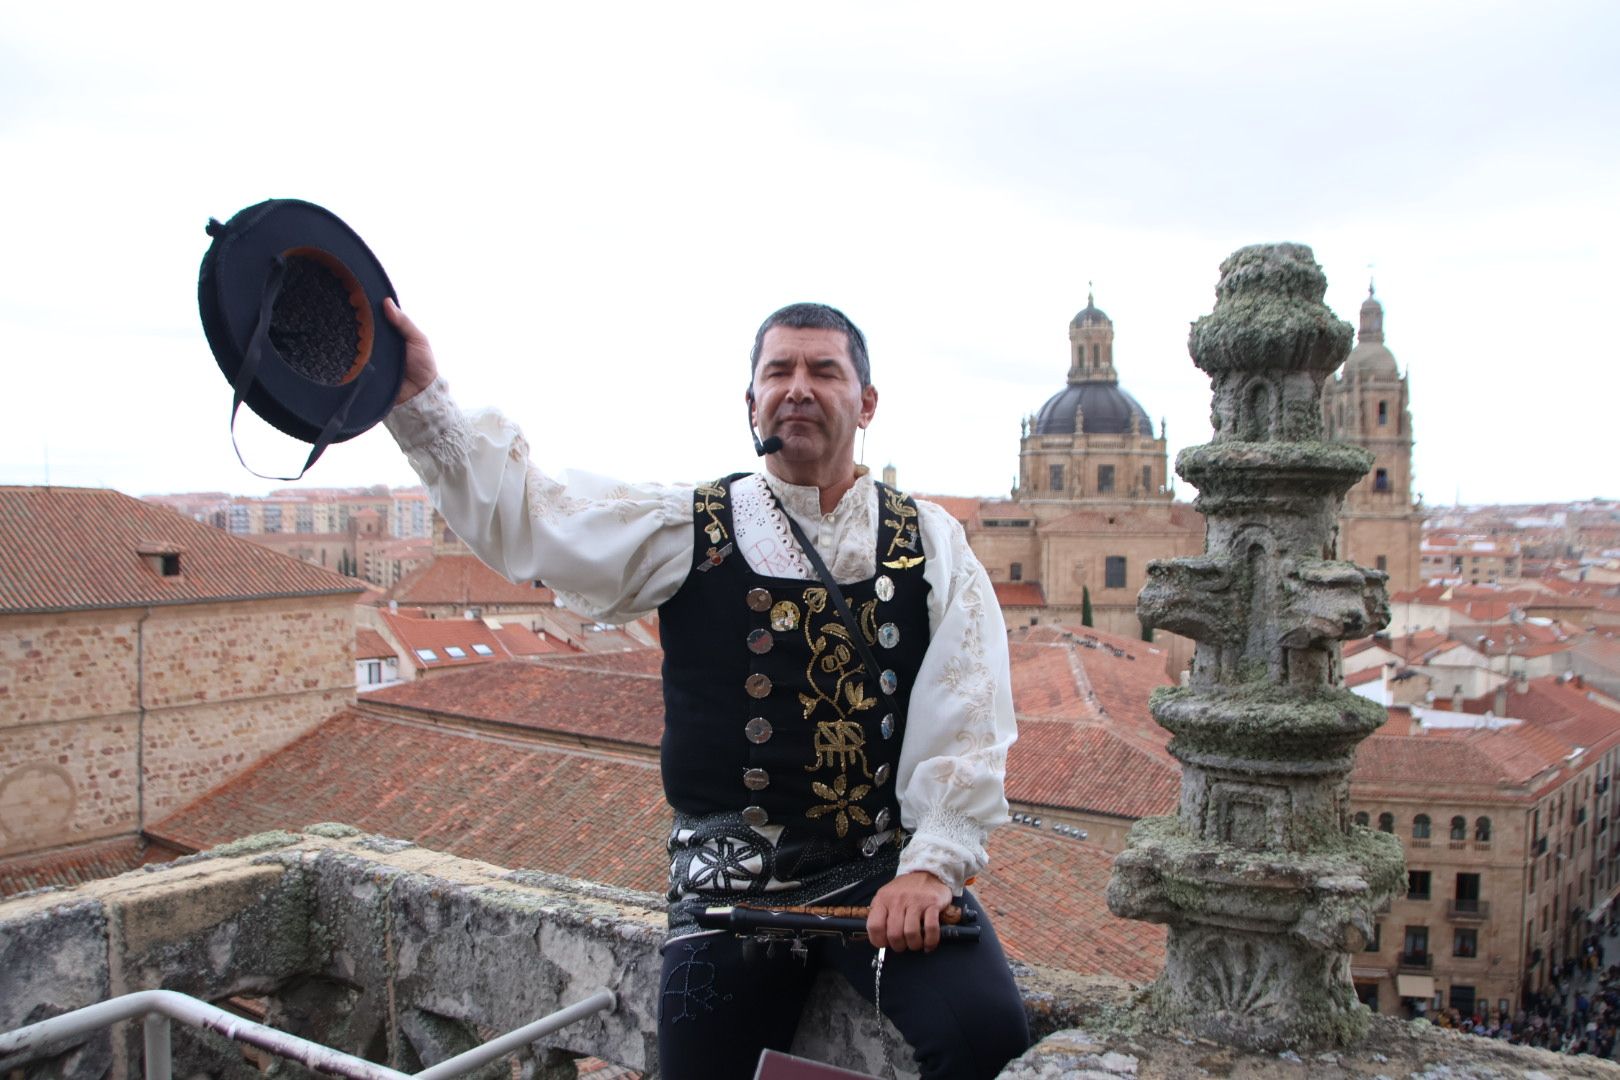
pixel 770 445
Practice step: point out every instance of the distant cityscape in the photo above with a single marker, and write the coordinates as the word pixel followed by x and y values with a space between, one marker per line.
pixel 175 670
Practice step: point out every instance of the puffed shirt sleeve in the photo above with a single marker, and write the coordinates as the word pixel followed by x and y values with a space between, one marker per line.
pixel 953 764
pixel 610 551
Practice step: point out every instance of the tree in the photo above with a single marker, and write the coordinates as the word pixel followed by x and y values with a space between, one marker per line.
pixel 1085 606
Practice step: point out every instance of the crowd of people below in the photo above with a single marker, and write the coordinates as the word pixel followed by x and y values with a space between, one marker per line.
pixel 1577 1013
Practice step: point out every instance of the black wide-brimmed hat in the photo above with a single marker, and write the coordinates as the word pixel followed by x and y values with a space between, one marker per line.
pixel 291 302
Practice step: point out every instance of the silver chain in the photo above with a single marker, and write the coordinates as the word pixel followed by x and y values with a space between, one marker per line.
pixel 877 1003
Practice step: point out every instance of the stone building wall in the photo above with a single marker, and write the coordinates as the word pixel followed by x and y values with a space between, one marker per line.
pixel 222 685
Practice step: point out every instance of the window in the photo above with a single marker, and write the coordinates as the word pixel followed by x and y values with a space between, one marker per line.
pixel 373 672
pixel 1114 572
pixel 1386 822
pixel 1362 819
pixel 1054 477
pixel 427 655
pixel 1096 355
pixel 1459 828
pixel 1373 941
pixel 1105 479
pixel 171 564
pixel 1465 943
pixel 1015 572
pixel 1462 999
pixel 1468 892
pixel 1380 479
pixel 1417 885
pixel 1382 563
pixel 483 650
pixel 1420 827
pixel 1383 414
pixel 1416 946
pixel 456 652
pixel 1147 479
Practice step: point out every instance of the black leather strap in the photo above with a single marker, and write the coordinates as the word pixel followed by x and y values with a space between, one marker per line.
pixel 257 343
pixel 842 606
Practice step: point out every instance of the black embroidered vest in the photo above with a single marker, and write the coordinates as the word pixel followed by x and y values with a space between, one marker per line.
pixel 768 709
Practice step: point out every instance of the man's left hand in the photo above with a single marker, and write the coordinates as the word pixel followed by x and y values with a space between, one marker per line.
pixel 905 912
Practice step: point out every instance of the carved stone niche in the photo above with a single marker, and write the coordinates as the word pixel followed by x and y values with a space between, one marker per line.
pixel 1247 815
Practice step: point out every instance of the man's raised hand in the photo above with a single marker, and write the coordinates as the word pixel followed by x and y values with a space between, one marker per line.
pixel 420 370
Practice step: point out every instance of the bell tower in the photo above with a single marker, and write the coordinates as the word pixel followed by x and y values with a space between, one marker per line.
pixel 1367 405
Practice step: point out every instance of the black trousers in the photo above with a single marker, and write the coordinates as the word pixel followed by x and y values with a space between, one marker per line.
pixel 724 1001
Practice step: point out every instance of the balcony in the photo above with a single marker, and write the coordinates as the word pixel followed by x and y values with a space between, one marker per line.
pixel 1415 963
pixel 1468 910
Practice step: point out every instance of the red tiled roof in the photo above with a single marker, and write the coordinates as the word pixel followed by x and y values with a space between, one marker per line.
pixel 617 705
pixel 65 549
pixel 1093 676
pixel 1361 678
pixel 963 508
pixel 605 820
pixel 1046 894
pixel 442 635
pixel 1090 767
pixel 517 807
pixel 465 582
pixel 521 641
pixel 1019 594
pixel 369 645
pixel 1483 758
pixel 75 866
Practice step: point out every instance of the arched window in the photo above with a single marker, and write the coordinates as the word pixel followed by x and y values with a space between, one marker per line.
pixel 1362 819
pixel 1459 828
pixel 1386 822
pixel 1420 827
pixel 1482 830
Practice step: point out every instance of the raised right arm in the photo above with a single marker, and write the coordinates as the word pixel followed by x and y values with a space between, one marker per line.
pixel 609 550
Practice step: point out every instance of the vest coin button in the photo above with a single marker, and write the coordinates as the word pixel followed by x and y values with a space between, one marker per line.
pixel 881 822
pixel 760 641
pixel 756 816
pixel 758 730
pixel 885 587
pixel 759 600
pixel 756 779
pixel 888 635
pixel 758 685
pixel 784 616
pixel 887 727
pixel 881 777
pixel 889 682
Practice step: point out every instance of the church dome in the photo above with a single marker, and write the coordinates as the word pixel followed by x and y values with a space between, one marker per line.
pixel 1105 409
pixel 1090 315
pixel 1371 357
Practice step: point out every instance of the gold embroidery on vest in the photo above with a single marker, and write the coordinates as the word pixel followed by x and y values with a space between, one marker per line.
pixel 709 499
pixel 904 524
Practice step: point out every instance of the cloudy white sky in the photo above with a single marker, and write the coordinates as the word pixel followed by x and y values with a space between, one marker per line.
pixel 590 207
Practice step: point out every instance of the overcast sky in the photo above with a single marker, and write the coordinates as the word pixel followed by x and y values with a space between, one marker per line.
pixel 590 208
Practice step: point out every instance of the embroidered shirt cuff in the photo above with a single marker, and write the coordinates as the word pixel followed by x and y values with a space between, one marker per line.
pixel 947 845
pixel 430 429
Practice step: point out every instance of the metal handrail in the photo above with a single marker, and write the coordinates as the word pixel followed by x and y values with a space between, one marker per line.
pixel 160 1007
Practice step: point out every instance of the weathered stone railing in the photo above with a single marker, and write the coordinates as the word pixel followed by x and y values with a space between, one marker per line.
pixel 408 956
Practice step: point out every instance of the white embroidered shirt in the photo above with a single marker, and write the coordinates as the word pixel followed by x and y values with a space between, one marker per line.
pixel 614 552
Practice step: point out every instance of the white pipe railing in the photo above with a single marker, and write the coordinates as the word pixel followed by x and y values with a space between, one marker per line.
pixel 160 1007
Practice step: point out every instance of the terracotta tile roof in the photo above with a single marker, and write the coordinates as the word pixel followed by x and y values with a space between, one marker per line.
pixel 1090 767
pixel 1086 674
pixel 63 549
pixel 1046 894
pixel 521 641
pixel 1019 594
pixel 369 645
pixel 465 582
pixel 1421 647
pixel 963 508
pixel 605 820
pixel 1484 759
pixel 1361 678
pixel 518 807
pixel 616 705
pixel 87 862
pixel 439 636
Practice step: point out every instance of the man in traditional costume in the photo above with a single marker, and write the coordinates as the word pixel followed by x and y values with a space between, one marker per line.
pixel 797 774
